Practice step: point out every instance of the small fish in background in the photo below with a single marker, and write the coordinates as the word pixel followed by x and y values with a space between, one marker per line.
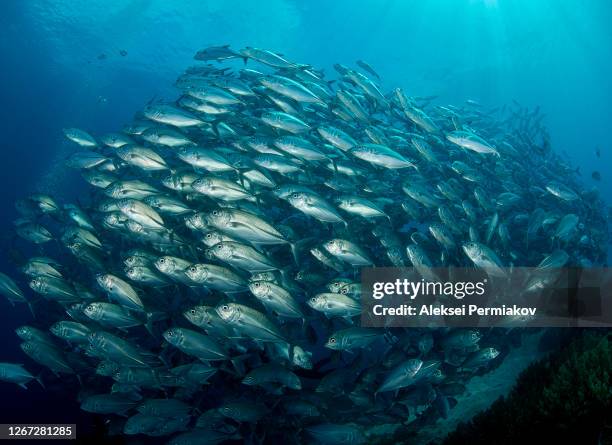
pixel 598 152
pixel 596 175
pixel 101 56
pixel 123 53
pixel 366 66
pixel 217 53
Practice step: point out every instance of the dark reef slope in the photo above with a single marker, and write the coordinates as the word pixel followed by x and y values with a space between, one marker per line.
pixel 566 398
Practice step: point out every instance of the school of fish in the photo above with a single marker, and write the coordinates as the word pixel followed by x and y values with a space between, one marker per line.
pixel 207 289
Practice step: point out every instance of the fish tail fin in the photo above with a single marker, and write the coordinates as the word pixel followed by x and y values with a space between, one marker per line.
pixel 165 360
pixel 334 165
pixel 238 364
pixel 294 252
pixel 229 370
pixel 298 246
pixel 241 178
pixel 31 307
pixel 38 378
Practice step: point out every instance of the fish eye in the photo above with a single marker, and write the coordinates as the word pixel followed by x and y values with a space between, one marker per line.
pixel 344 291
pixel 225 307
pixel 170 333
pixel 193 312
pixel 295 195
pixel 162 260
pixel 192 269
pixel 215 212
pixel 219 246
pixel 332 340
pixel 256 284
pixel 208 236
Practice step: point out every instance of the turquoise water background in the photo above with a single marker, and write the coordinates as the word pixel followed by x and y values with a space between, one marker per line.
pixel 549 53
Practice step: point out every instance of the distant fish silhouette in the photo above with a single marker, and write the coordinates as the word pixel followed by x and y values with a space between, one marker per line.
pixel 366 66
pixel 598 152
pixel 596 176
pixel 101 56
pixel 123 53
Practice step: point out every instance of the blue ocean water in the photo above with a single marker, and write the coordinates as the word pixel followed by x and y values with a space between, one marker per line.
pixel 61 66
